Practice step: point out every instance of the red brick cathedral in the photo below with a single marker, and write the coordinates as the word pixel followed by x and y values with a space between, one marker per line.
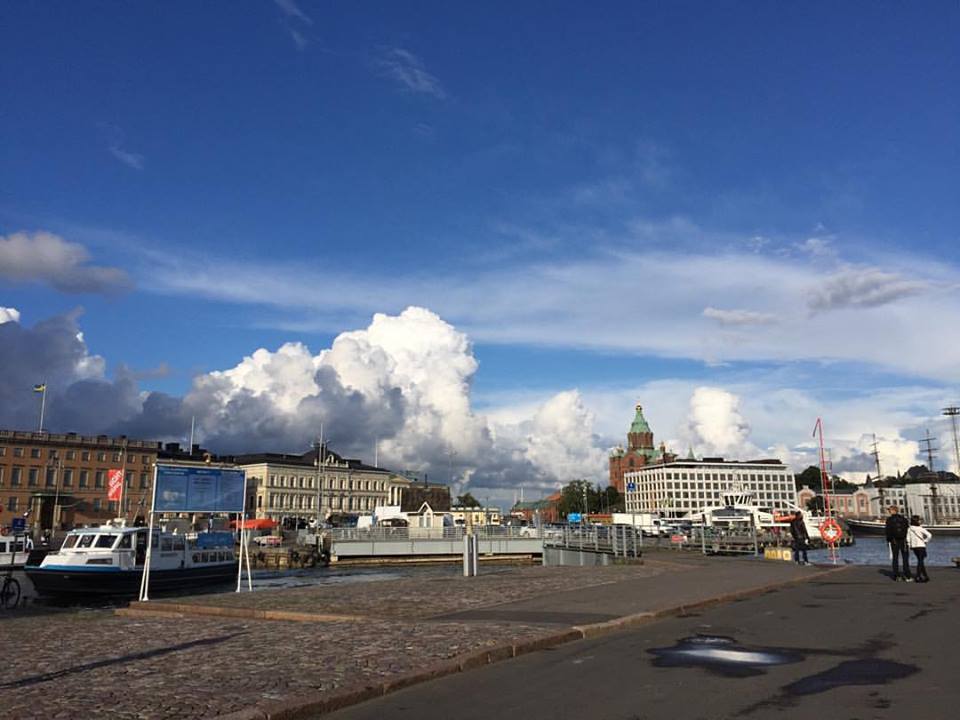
pixel 639 452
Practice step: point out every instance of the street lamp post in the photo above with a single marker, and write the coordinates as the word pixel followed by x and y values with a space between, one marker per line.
pixel 319 478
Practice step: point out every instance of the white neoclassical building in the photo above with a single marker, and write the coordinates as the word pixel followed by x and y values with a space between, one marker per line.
pixel 298 486
pixel 677 488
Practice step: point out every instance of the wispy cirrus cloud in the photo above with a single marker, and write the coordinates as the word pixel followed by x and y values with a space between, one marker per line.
pixel 47 258
pixel 130 159
pixel 864 287
pixel 739 317
pixel 292 10
pixel 116 140
pixel 409 72
pixel 293 16
pixel 648 300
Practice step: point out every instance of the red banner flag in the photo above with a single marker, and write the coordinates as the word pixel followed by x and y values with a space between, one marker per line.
pixel 114 485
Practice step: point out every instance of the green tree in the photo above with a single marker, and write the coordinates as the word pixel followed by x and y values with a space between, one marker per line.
pixel 580 496
pixel 809 477
pixel 815 504
pixel 467 500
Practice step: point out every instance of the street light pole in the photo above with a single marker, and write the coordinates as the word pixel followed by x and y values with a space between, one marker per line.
pixel 952 412
pixel 319 478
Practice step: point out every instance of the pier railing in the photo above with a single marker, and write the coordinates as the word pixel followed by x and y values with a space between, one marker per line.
pixel 616 540
pixel 403 534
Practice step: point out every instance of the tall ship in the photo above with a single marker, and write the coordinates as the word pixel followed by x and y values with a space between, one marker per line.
pixel 109 560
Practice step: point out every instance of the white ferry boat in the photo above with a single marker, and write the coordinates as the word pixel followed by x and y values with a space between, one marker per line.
pixel 14 551
pixel 108 560
pixel 740 509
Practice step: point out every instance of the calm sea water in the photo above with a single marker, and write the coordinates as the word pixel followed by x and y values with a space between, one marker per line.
pixel 874 551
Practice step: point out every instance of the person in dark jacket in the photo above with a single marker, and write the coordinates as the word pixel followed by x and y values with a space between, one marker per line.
pixel 801 539
pixel 897 527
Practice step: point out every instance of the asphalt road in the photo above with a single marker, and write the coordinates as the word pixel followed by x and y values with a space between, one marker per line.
pixel 849 645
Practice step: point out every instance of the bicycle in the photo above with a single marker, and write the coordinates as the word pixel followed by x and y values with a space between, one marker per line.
pixel 9 593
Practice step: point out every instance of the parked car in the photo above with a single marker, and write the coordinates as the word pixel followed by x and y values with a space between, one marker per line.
pixel 268 540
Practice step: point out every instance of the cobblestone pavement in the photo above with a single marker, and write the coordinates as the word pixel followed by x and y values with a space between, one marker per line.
pixel 92 663
pixel 95 664
pixel 427 597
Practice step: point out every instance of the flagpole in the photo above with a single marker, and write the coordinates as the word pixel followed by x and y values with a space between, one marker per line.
pixel 123 481
pixel 43 403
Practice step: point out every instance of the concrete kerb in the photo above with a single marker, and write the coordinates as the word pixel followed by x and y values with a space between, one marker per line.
pixel 308 705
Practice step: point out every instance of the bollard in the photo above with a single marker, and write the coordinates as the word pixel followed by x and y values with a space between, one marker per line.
pixel 471 549
pixel 476 554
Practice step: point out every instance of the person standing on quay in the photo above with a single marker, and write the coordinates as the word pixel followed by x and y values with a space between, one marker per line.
pixel 801 539
pixel 917 538
pixel 897 527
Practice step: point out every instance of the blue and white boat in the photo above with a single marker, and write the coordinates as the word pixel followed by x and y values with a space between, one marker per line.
pixel 109 560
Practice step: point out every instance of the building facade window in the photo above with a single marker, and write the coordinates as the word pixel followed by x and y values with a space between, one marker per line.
pixel 84 478
pixel 33 476
pixel 68 477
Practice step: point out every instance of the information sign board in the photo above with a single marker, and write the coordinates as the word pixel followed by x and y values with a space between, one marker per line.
pixel 199 489
pixel 574 517
pixel 18 525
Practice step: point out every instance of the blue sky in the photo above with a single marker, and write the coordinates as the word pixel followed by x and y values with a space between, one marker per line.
pixel 529 173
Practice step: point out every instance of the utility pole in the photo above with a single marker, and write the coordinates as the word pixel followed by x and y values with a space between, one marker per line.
pixel 952 412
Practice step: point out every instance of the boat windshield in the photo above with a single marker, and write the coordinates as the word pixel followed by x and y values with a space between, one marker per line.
pixel 85 541
pixel 105 541
pixel 70 541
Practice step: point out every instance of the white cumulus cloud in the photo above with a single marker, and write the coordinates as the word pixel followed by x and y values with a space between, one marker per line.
pixel 9 315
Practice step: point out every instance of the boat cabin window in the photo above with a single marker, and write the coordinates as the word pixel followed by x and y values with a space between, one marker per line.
pixel 105 541
pixel 166 544
pixel 126 541
pixel 86 541
pixel 3 547
pixel 178 543
pixel 70 541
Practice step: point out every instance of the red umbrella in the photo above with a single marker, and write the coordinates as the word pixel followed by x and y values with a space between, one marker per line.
pixel 256 524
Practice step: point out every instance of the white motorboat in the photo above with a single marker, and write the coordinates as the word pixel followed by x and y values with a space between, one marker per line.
pixel 109 560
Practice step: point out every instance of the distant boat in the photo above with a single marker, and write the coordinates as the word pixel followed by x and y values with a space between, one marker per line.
pixel 879 527
pixel 14 551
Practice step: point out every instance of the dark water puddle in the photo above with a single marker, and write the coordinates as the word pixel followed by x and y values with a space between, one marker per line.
pixel 865 671
pixel 722 656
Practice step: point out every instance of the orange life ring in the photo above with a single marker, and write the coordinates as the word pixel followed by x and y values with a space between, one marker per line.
pixel 830 531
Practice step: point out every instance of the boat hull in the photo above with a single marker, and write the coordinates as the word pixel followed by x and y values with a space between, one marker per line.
pixel 873 527
pixel 65 580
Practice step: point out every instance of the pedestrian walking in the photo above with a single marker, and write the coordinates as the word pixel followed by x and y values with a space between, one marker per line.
pixel 896 528
pixel 801 538
pixel 917 538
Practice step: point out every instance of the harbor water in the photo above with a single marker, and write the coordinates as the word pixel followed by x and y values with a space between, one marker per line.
pixel 875 551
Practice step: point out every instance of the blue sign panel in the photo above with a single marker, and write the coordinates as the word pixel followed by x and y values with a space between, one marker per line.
pixel 198 489
pixel 631 486
pixel 18 525
pixel 574 517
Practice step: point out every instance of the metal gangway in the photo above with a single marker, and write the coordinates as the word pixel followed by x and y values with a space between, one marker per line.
pixel 617 540
pixel 413 542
